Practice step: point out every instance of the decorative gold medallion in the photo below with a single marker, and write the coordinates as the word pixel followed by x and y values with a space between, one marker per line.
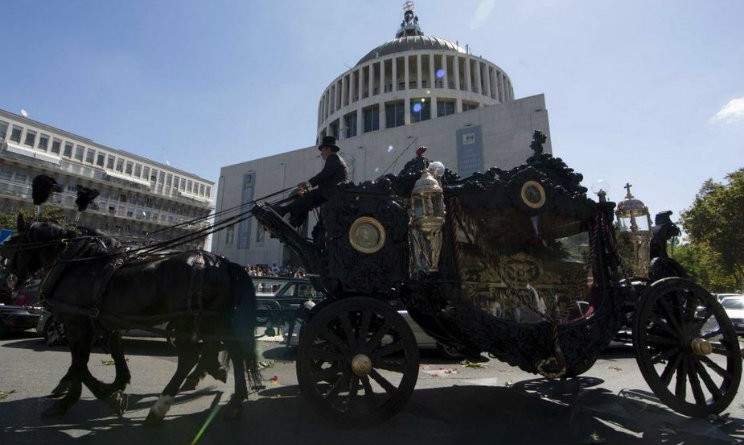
pixel 367 235
pixel 533 194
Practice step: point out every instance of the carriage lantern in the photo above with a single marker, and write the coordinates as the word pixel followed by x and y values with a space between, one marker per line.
pixel 427 218
pixel 634 236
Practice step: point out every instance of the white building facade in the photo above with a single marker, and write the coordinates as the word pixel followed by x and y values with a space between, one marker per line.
pixel 411 91
pixel 138 198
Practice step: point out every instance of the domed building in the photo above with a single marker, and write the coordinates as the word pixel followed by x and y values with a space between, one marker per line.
pixel 414 90
pixel 412 78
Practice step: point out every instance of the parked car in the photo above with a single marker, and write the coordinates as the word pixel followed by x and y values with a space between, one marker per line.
pixel 282 305
pixel 19 309
pixel 734 307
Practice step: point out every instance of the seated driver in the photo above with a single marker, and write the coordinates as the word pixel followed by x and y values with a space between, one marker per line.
pixel 334 173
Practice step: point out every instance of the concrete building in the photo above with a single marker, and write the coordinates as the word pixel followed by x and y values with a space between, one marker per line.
pixel 411 91
pixel 138 198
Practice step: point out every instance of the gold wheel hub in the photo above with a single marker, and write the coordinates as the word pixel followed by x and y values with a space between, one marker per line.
pixel 361 365
pixel 701 346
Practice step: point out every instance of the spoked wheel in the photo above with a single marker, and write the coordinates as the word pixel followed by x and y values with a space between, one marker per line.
pixel 357 361
pixel 686 348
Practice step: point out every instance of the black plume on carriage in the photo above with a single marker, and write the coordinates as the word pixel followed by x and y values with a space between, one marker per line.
pixel 42 188
pixel 85 196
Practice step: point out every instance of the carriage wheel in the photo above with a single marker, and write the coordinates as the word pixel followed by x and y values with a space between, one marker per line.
pixel 686 348
pixel 357 361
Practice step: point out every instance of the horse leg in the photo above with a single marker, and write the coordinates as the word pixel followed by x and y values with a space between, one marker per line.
pixel 79 340
pixel 188 355
pixel 63 386
pixel 123 376
pixel 208 364
pixel 234 407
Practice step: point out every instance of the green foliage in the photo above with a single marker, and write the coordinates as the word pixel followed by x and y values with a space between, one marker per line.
pixel 48 213
pixel 714 225
pixel 703 267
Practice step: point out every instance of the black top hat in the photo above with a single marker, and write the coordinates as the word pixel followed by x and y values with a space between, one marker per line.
pixel 329 141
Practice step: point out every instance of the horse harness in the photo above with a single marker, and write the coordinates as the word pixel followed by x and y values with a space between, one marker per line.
pixel 72 253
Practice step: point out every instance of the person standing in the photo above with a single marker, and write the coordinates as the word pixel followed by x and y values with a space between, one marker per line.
pixel 325 183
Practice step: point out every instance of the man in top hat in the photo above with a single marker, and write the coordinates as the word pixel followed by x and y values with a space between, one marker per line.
pixel 334 173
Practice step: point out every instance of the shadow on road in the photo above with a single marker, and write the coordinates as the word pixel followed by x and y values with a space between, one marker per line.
pixel 530 411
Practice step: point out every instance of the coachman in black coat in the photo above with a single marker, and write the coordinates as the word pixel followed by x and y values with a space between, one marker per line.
pixel 334 173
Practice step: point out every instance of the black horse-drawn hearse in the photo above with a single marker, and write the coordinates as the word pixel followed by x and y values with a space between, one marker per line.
pixel 520 264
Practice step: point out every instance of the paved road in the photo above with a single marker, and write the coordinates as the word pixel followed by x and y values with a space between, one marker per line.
pixel 452 403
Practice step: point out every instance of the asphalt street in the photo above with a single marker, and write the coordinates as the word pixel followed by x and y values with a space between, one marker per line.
pixel 461 403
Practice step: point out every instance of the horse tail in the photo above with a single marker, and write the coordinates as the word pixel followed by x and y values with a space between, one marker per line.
pixel 244 320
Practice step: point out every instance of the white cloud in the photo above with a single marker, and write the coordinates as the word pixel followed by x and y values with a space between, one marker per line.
pixel 482 12
pixel 732 111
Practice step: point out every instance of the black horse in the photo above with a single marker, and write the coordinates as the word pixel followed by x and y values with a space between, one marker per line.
pixel 208 301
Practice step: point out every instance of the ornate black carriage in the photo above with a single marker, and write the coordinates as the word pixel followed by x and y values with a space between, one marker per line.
pixel 520 264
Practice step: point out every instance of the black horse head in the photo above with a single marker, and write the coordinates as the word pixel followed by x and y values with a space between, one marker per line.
pixel 42 188
pixel 33 247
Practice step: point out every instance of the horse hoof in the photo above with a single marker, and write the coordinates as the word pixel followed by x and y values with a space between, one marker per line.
pixel 152 420
pixel 119 401
pixel 233 410
pixel 189 385
pixel 221 375
pixel 55 410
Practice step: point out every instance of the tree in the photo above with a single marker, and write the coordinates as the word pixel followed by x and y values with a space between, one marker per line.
pixel 48 213
pixel 714 224
pixel 703 267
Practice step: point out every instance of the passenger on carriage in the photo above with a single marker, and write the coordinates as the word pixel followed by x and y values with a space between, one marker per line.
pixel 334 173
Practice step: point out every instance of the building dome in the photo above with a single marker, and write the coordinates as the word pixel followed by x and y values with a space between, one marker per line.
pixel 410 43
pixel 410 79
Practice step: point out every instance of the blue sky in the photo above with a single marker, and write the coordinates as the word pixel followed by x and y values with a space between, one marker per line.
pixel 650 92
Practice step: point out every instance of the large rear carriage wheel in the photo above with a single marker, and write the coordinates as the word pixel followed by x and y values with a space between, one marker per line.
pixel 357 361
pixel 686 348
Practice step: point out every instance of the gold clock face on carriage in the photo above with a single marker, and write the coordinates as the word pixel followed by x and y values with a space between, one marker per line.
pixel 367 235
pixel 533 194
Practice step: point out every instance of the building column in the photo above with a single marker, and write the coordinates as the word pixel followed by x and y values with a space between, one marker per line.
pixel 446 73
pixel 406 72
pixel 468 78
pixel 487 81
pixel 382 76
pixel 395 73
pixel 432 71
pixel 478 83
pixel 456 68
pixel 418 71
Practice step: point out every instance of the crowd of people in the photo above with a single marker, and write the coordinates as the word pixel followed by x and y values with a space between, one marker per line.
pixel 264 270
